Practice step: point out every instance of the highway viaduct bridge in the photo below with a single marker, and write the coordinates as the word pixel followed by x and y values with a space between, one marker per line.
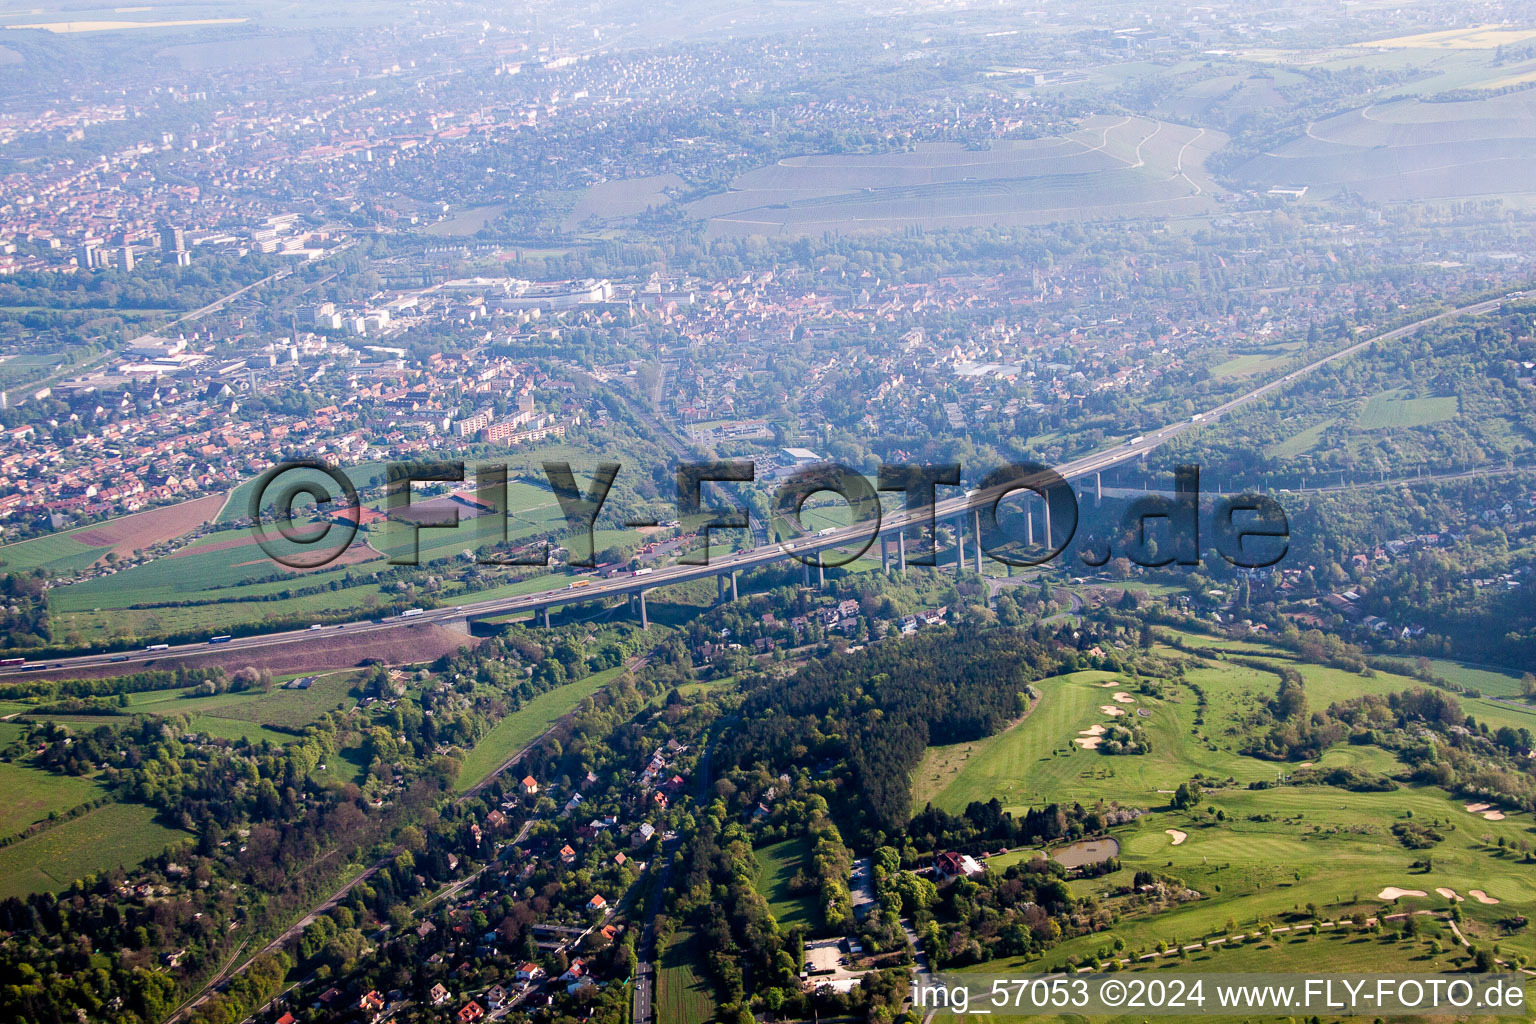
pixel 891 532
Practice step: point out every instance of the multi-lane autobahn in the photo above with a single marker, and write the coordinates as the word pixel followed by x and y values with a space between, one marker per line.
pixel 626 585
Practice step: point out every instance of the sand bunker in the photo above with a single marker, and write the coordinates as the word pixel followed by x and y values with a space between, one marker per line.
pixel 1088 739
pixel 1450 894
pixel 1392 892
pixel 1109 684
pixel 1178 837
pixel 1111 710
pixel 1305 764
pixel 1481 896
pixel 1121 697
pixel 1494 815
pixel 1477 808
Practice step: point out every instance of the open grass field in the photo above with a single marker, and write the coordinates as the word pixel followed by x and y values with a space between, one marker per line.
pixel 56 552
pixel 1110 166
pixel 294 709
pixel 235 729
pixel 1481 37
pixel 207 569
pixel 1399 149
pixel 522 726
pixel 1301 442
pixel 114 835
pixel 1249 364
pixel 79 549
pixel 684 994
pixel 1254 854
pixel 613 200
pixel 1329 952
pixel 19 368
pixel 199 720
pixel 251 715
pixel 777 865
pixel 1492 681
pixel 238 503
pixel 277 49
pixel 465 222
pixel 31 795
pixel 118 25
pixel 206 586
pixel 1038 760
pixel 1393 409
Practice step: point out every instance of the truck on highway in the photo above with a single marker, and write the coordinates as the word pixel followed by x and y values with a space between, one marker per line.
pixel 158 647
pixel 643 572
pixel 226 638
pixel 12 662
pixel 411 613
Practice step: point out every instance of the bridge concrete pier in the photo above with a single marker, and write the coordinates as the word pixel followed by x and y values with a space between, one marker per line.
pixel 544 616
pixel 805 572
pixel 645 623
pixel 885 555
pixel 1029 524
pixel 720 589
pixel 1047 505
pixel 901 552
pixel 976 522
pixel 1098 487
pixel 959 525
pixel 735 595
pixel 821 574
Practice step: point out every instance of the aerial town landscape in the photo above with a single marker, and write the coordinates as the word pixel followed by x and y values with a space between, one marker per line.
pixel 657 513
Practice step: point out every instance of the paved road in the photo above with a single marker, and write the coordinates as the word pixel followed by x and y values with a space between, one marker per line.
pixel 645 976
pixel 848 536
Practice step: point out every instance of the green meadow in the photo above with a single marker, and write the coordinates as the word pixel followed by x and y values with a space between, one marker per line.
pixel 227 578
pixel 777 866
pixel 1329 952
pixel 1255 854
pixel 32 795
pixel 1396 409
pixel 684 993
pixel 524 725
pixel 114 835
pixel 57 552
